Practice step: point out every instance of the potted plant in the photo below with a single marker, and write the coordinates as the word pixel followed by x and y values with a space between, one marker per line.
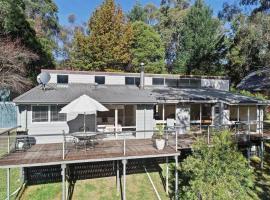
pixel 160 141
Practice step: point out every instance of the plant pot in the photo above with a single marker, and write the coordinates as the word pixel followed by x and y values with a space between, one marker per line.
pixel 160 144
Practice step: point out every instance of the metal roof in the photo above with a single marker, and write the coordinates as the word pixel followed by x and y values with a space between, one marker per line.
pixel 203 95
pixel 106 94
pixel 256 81
pixel 124 94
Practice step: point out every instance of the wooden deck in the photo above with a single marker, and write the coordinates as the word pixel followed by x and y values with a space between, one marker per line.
pixel 50 154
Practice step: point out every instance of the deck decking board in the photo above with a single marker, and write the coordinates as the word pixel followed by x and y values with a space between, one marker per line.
pixel 52 153
pixel 106 149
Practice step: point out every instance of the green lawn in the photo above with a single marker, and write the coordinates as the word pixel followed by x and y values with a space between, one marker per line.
pixel 138 187
pixel 14 180
pixel 263 177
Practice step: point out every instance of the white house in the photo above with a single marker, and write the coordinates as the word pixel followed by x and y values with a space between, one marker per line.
pixel 136 102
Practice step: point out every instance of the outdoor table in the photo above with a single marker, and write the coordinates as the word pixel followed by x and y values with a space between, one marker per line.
pixel 85 137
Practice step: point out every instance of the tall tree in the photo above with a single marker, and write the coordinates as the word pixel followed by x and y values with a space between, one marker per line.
pixel 13 24
pixel 171 15
pixel 137 13
pixel 201 42
pixel 109 40
pixel 42 16
pixel 147 47
pixel 216 172
pixel 249 40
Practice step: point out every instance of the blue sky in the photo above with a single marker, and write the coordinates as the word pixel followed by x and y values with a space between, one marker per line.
pixel 83 8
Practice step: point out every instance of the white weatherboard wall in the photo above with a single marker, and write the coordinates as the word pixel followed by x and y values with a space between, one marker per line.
pixel 182 118
pixel 115 80
pixel 144 120
pixel 73 124
pixel 81 78
pixel 218 84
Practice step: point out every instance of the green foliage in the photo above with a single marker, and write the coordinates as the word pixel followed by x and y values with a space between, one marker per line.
pixel 216 172
pixel 14 25
pixel 147 47
pixel 171 15
pixel 249 45
pixel 137 13
pixel 249 94
pixel 42 16
pixel 109 41
pixel 201 43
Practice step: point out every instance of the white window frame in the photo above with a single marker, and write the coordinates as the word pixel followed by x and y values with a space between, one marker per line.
pixel 49 115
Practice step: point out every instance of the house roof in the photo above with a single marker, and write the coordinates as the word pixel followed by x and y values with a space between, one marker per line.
pixel 106 94
pixel 125 94
pixel 203 95
pixel 256 81
pixel 65 71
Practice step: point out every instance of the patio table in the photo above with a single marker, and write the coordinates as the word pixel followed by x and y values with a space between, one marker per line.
pixel 85 138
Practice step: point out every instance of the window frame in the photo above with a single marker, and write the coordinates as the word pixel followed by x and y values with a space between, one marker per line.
pixel 159 79
pixel 103 77
pixel 135 80
pixel 32 113
pixel 62 75
pixel 51 117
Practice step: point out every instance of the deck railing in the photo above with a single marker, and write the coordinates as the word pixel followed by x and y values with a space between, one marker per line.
pixel 124 140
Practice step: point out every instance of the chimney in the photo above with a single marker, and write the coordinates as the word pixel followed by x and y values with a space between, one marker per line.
pixel 142 76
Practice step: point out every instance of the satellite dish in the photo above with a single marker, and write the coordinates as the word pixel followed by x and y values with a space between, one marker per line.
pixel 43 78
pixel 4 94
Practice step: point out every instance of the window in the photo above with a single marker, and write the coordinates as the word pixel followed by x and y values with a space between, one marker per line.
pixel 183 83
pixel 132 81
pixel 171 82
pixel 40 114
pixel 100 80
pixel 56 116
pixel 196 83
pixel 158 81
pixel 62 79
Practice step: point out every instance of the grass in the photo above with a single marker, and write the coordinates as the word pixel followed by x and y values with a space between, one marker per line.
pixel 262 183
pixel 15 182
pixel 138 187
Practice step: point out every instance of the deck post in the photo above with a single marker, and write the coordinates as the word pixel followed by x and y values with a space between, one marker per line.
pixel 248 120
pixel 262 152
pixel 8 147
pixel 63 173
pixel 64 145
pixel 8 183
pixel 117 177
pixel 116 122
pixel 167 175
pixel 238 119
pixel 176 177
pixel 200 118
pixel 124 162
pixel 208 135
pixel 163 113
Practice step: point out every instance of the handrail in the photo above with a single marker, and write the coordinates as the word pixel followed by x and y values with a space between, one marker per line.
pixel 8 130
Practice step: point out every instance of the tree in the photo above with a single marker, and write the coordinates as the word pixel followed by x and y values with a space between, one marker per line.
pixel 151 13
pixel 109 41
pixel 137 13
pixel 216 172
pixel 249 46
pixel 201 42
pixel 171 15
pixel 248 41
pixel 42 16
pixel 147 47
pixel 14 58
pixel 13 24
